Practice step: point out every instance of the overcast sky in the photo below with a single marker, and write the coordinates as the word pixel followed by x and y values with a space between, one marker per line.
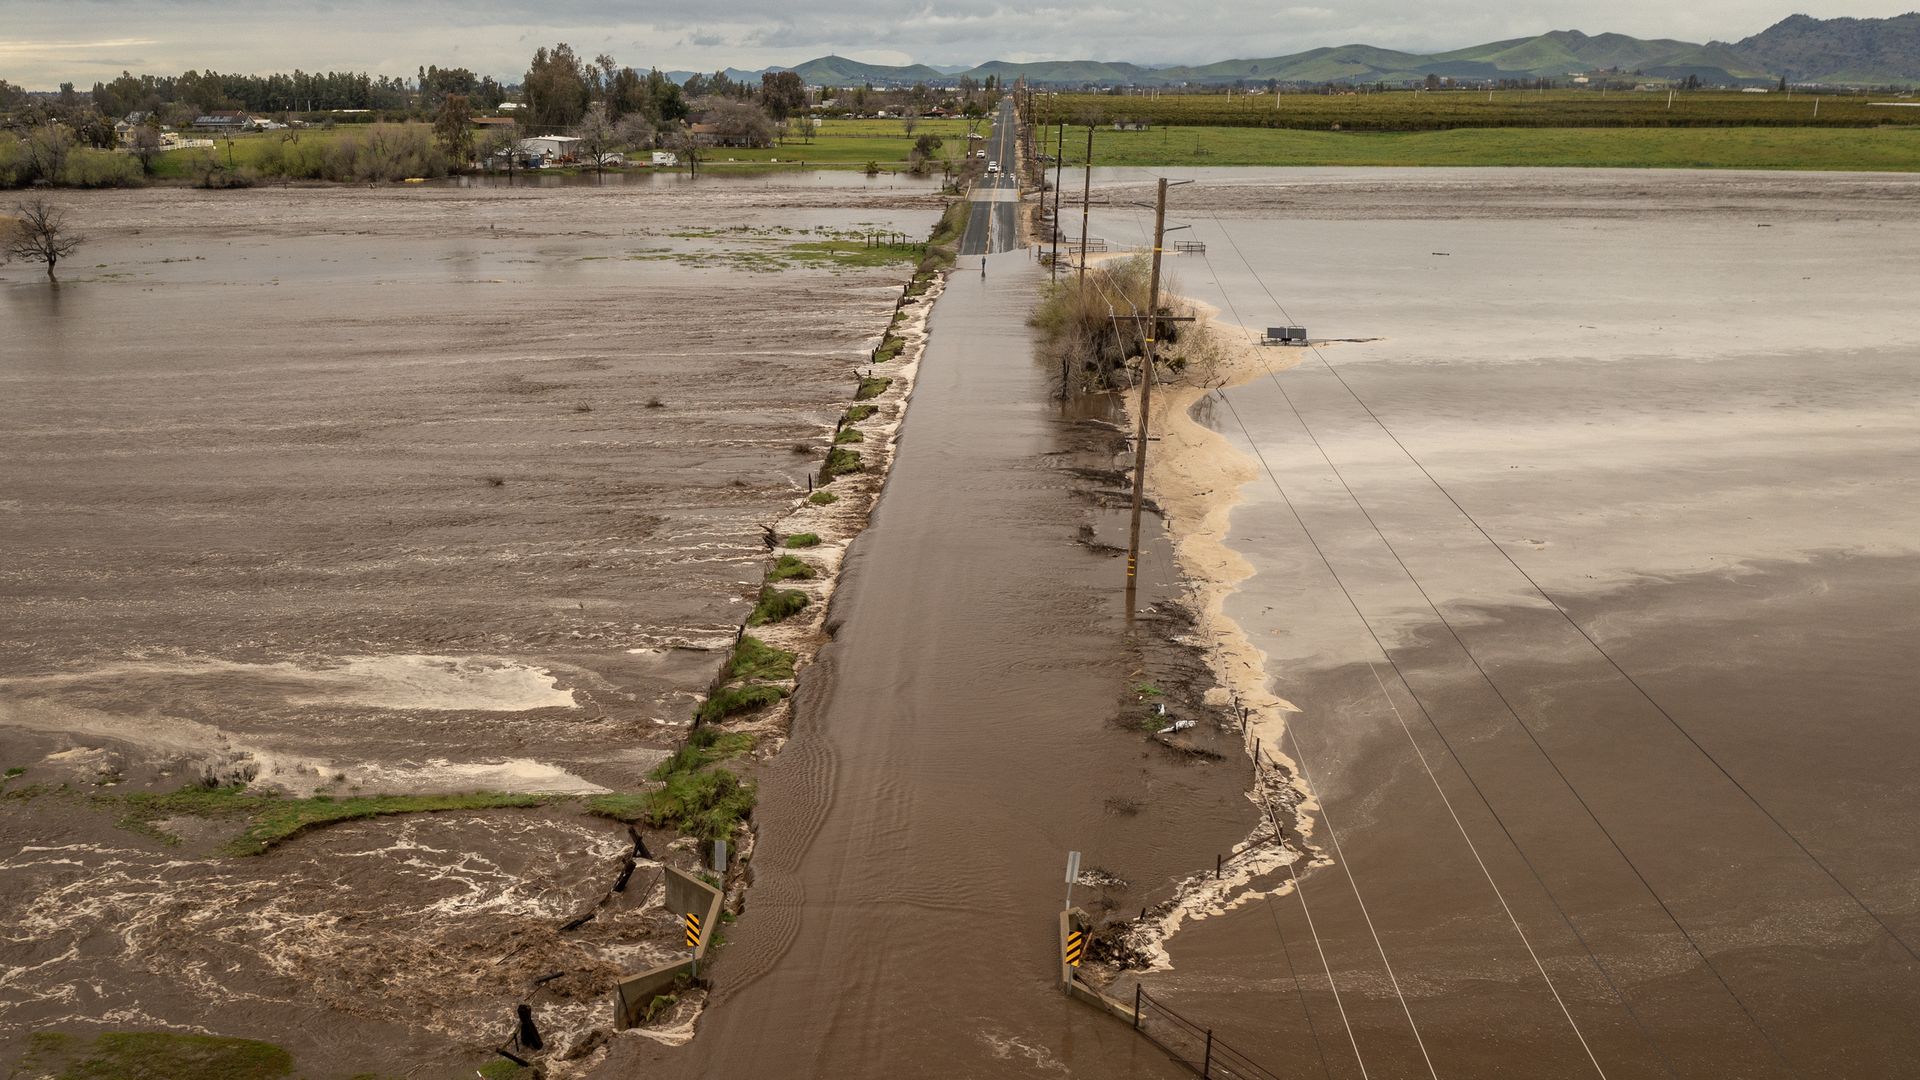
pixel 45 42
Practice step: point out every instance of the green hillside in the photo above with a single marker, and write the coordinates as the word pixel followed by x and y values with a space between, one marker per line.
pixel 1859 51
pixel 840 71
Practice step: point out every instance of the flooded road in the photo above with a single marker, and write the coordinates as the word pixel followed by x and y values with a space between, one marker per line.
pixel 1596 568
pixel 352 492
pixel 951 744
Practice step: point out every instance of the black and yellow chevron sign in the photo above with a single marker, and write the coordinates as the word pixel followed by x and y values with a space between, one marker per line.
pixel 1076 944
pixel 693 931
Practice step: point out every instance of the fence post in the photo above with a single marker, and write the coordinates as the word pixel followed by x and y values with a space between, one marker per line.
pixel 1217 861
pixel 1136 1006
pixel 1206 1065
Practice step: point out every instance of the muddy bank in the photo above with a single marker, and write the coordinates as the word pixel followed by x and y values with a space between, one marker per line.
pixel 345 493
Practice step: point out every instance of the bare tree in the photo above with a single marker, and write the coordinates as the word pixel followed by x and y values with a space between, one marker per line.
pixel 145 144
pixel 47 149
pixel 596 135
pixel 634 131
pixel 39 234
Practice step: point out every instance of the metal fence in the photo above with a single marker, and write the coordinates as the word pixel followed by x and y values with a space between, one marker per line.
pixel 1190 1044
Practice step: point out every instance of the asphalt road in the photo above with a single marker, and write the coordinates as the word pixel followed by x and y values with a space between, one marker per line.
pixel 992 227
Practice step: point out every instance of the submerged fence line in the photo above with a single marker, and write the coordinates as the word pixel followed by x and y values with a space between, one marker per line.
pixel 1190 1044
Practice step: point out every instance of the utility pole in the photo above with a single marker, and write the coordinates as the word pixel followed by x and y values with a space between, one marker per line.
pixel 1059 163
pixel 1146 399
pixel 1086 200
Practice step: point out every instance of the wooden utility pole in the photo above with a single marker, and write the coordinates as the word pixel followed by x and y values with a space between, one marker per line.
pixel 1059 163
pixel 1086 197
pixel 1146 399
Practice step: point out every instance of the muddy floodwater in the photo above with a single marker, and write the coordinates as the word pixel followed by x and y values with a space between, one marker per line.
pixel 346 492
pixel 1589 562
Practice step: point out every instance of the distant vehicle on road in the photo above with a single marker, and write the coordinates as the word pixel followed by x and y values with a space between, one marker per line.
pixel 993 166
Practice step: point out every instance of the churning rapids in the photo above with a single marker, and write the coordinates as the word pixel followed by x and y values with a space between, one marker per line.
pixel 348 492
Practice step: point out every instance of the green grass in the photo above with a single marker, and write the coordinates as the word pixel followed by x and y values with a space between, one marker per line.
pixel 708 802
pixel 822 498
pixel 1403 110
pixel 705 746
pixel 755 659
pixel 271 818
pixel 871 386
pixel 618 805
pixel 776 605
pixel 15 771
pixel 840 461
pixel 803 540
pixel 850 144
pixel 857 413
pixel 888 349
pixel 1885 149
pixel 788 568
pixel 850 435
pixel 852 252
pixel 734 700
pixel 152 1055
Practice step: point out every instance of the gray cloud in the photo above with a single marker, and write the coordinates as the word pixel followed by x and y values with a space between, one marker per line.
pixel 45 42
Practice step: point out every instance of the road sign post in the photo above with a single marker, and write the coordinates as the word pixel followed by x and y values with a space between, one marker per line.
pixel 1073 874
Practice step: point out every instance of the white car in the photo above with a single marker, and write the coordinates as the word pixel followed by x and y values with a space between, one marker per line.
pixel 993 166
pixel 979 153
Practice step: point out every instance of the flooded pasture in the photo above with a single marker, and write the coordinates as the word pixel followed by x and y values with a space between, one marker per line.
pixel 352 492
pixel 1665 832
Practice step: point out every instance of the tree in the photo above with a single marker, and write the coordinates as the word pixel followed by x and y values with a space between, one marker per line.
pixel 782 93
pixel 595 134
pixel 741 123
pixel 910 120
pixel 47 151
pixel 634 130
pixel 145 144
pixel 556 88
pixel 499 141
pixel 453 126
pixel 39 234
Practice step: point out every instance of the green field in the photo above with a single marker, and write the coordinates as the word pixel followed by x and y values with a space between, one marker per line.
pixel 1407 110
pixel 853 143
pixel 1867 150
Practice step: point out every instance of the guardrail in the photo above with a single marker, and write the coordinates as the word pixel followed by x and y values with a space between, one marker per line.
pixel 1186 1042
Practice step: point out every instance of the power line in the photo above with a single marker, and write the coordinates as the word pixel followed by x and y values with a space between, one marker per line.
pixel 1474 783
pixel 1325 816
pixel 1555 604
pixel 1511 711
pixel 1299 889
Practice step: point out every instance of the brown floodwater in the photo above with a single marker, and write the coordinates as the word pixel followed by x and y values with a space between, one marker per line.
pixel 360 491
pixel 965 728
pixel 1684 406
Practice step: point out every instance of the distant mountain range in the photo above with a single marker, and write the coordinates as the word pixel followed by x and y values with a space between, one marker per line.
pixel 1800 48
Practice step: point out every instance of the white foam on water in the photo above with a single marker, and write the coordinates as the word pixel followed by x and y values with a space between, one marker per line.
pixel 1009 1047
pixel 433 682
pixel 523 775
pixel 401 681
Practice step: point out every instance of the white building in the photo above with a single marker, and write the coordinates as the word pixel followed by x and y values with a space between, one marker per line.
pixel 550 149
